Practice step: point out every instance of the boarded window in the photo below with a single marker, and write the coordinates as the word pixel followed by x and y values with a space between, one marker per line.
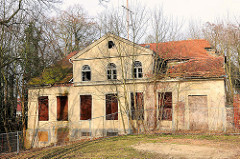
pixel 198 114
pixel 43 108
pixel 137 106
pixel 43 136
pixel 62 108
pixel 165 106
pixel 111 107
pixel 85 107
pixel 62 135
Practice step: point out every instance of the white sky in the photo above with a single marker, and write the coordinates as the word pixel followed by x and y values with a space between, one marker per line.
pixel 196 10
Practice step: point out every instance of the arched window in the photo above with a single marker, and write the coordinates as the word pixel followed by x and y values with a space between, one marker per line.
pixel 111 71
pixel 137 69
pixel 86 73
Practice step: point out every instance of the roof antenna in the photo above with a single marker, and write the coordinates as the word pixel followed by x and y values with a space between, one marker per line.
pixel 127 11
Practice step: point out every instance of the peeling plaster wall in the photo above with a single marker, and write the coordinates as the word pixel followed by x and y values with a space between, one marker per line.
pixel 214 89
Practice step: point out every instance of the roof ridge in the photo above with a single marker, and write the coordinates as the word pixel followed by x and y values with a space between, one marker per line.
pixel 176 41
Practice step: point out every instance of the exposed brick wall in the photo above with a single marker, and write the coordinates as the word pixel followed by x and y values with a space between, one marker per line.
pixel 236 108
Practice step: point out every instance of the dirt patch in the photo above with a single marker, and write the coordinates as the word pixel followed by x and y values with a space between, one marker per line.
pixel 181 148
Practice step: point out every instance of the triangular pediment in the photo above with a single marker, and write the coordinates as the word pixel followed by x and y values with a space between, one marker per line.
pixel 101 49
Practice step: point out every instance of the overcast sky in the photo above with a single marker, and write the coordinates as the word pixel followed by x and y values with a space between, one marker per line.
pixel 203 10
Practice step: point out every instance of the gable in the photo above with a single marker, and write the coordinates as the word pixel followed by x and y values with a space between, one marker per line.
pixel 110 46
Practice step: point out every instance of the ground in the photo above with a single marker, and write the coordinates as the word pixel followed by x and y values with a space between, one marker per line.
pixel 142 146
pixel 191 148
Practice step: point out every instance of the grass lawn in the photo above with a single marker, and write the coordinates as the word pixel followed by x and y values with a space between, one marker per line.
pixel 119 147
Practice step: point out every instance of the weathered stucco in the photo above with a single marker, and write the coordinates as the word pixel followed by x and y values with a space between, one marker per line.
pixel 214 89
pixel 123 54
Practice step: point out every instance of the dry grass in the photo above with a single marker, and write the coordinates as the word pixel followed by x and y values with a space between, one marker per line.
pixel 122 146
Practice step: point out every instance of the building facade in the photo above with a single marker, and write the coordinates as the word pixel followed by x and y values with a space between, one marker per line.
pixel 119 87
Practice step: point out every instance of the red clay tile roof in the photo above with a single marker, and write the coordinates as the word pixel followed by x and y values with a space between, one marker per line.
pixel 198 62
pixel 200 67
pixel 185 49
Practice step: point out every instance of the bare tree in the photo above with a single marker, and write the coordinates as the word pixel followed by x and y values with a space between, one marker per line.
pixel 13 21
pixel 224 36
pixel 73 29
pixel 194 30
pixel 164 28
pixel 115 21
pixel 112 21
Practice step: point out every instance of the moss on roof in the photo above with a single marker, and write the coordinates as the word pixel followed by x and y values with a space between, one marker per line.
pixel 52 75
pixel 61 72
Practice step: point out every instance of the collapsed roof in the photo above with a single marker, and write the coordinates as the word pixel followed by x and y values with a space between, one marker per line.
pixel 189 58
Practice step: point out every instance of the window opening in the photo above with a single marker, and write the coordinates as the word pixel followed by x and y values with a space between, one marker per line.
pixel 111 71
pixel 160 66
pixel 62 108
pixel 111 107
pixel 109 133
pixel 85 107
pixel 110 44
pixel 43 108
pixel 137 69
pixel 137 106
pixel 86 73
pixel 86 133
pixel 165 106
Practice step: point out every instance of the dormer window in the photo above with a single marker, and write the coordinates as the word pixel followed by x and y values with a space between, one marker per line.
pixel 111 71
pixel 86 73
pixel 137 69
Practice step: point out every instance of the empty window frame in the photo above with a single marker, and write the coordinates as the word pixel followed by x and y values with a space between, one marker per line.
pixel 165 106
pixel 137 106
pixel 43 108
pixel 111 71
pixel 86 73
pixel 111 107
pixel 85 107
pixel 160 66
pixel 62 108
pixel 137 69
